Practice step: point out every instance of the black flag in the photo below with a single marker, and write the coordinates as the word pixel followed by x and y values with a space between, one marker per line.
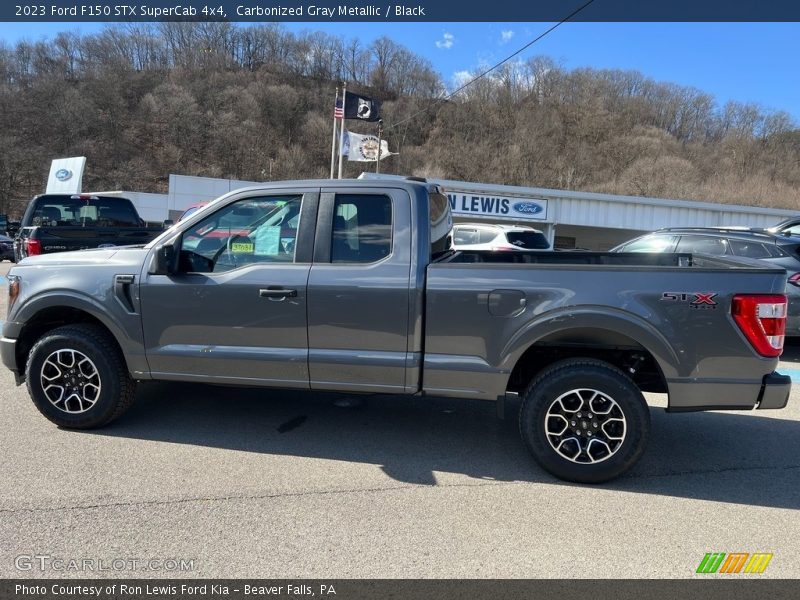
pixel 361 108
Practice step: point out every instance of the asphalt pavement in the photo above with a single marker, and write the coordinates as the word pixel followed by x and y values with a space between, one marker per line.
pixel 253 483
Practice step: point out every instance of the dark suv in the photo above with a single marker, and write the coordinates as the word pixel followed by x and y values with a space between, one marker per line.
pixel 775 248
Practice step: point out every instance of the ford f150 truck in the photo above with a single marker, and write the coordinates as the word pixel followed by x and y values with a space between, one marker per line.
pixel 353 286
pixel 64 222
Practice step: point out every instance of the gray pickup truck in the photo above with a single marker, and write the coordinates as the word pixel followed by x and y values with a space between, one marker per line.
pixel 353 286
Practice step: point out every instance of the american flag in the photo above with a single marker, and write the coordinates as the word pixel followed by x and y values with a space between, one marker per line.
pixel 338 112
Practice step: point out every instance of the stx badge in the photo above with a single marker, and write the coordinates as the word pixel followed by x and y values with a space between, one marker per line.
pixel 695 299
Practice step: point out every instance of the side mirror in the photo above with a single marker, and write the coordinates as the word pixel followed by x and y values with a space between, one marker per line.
pixel 163 259
pixel 168 223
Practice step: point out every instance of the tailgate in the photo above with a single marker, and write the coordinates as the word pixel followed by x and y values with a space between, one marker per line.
pixel 57 239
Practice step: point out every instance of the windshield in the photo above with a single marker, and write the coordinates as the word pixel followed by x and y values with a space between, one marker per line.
pixel 65 211
pixel 190 211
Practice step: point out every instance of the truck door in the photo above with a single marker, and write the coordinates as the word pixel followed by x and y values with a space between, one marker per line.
pixel 358 291
pixel 235 310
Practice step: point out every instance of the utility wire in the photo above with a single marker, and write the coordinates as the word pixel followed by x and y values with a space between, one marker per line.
pixel 501 63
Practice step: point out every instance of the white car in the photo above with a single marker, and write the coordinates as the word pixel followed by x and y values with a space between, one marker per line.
pixel 503 238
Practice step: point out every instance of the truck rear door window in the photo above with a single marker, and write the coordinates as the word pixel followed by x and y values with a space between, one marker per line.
pixel 362 228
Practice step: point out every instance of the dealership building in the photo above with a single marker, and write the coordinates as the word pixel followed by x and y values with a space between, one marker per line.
pixel 589 220
pixel 569 219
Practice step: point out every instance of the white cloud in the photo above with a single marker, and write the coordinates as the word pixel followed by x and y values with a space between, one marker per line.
pixel 447 41
pixel 506 35
pixel 460 78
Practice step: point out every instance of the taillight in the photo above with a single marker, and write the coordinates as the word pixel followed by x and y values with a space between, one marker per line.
pixel 795 279
pixel 33 247
pixel 762 319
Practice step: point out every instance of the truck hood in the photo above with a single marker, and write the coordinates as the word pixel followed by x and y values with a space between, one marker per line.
pixel 121 255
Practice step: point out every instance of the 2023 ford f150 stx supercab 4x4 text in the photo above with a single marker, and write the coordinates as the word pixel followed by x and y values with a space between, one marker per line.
pixel 353 286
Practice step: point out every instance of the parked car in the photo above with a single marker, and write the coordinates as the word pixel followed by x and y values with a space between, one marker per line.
pixel 63 222
pixel 498 238
pixel 789 226
pixel 6 248
pixel 774 248
pixel 12 228
pixel 193 209
pixel 352 286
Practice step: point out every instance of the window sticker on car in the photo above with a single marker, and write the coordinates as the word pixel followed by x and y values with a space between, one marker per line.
pixel 268 239
pixel 242 247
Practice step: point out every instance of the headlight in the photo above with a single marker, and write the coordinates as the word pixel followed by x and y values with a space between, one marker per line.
pixel 13 290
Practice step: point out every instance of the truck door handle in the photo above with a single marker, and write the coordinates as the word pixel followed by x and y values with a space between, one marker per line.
pixel 277 292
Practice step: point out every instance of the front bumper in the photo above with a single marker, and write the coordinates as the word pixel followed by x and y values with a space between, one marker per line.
pixel 8 354
pixel 775 391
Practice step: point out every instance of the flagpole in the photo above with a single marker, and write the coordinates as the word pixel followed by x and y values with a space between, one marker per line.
pixel 341 133
pixel 333 138
pixel 378 160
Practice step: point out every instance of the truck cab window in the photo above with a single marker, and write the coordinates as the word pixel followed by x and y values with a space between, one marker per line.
pixel 362 228
pixel 249 231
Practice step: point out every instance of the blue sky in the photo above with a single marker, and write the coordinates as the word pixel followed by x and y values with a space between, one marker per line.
pixel 749 62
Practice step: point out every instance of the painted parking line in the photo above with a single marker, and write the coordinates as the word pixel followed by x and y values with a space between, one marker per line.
pixel 793 373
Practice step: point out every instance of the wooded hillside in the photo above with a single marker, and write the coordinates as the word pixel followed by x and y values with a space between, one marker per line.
pixel 142 101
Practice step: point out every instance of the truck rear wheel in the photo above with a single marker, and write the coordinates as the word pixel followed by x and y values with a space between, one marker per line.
pixel 77 377
pixel 584 420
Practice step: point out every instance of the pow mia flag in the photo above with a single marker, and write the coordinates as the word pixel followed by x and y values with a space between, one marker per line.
pixel 361 108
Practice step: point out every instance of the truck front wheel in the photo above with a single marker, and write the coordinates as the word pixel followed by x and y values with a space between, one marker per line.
pixel 77 378
pixel 584 420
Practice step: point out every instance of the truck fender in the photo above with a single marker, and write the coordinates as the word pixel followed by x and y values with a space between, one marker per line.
pixel 132 349
pixel 592 317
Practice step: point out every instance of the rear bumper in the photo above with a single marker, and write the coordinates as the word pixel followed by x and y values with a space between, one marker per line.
pixel 775 391
pixel 771 392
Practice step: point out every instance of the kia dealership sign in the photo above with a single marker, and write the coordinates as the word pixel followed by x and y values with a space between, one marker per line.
pixel 504 207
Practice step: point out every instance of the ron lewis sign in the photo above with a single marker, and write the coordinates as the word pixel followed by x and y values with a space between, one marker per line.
pixel 503 207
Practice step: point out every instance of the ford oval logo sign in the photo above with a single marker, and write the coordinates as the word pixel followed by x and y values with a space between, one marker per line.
pixel 527 208
pixel 63 174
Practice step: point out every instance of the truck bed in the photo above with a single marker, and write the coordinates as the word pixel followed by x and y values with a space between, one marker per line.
pixel 484 308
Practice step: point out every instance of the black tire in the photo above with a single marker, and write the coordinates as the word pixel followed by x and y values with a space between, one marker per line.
pixel 574 380
pixel 111 389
